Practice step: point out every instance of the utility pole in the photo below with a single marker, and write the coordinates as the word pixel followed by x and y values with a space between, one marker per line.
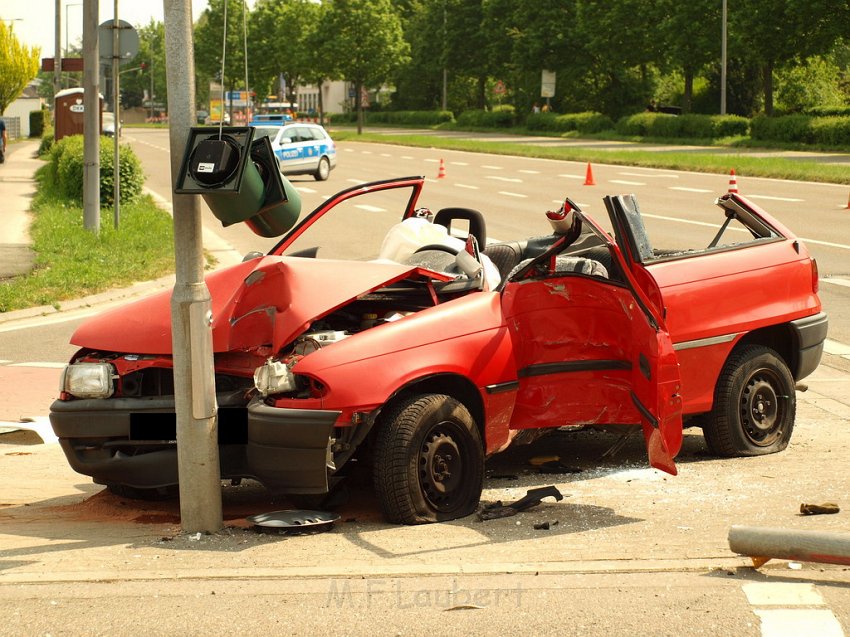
pixel 723 61
pixel 116 112
pixel 91 118
pixel 57 51
pixel 191 315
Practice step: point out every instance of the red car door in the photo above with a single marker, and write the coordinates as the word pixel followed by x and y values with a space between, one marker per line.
pixel 591 349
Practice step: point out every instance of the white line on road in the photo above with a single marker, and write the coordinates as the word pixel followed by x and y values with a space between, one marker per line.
pixel 366 152
pixel 835 348
pixel 491 167
pixel 406 157
pixel 793 622
pixel 385 155
pixel 572 176
pixel 836 281
pixel 433 161
pixel 369 208
pixel 510 179
pixel 348 150
pixel 683 189
pixel 467 186
pixel 529 172
pixel 3 362
pixel 47 365
pixel 627 183
pixel 512 194
pixel 650 176
pixel 355 181
pixel 768 197
pixel 458 163
pixel 305 190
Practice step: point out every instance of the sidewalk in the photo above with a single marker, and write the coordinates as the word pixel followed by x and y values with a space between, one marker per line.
pixel 18 186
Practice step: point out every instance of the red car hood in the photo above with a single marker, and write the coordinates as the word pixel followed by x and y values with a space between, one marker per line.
pixel 264 301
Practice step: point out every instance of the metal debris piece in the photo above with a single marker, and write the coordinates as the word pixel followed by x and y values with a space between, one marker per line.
pixel 531 499
pixel 294 521
pixel 819 509
pixel 545 526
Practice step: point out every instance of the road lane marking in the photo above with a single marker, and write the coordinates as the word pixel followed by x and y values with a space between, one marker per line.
pixel 647 175
pixel 836 348
pixel 782 594
pixel 406 157
pixel 768 197
pixel 491 167
pixel 354 181
pixel 683 189
pixel 799 617
pixel 836 281
pixel 572 176
pixel 512 194
pixel 369 208
pixel 366 152
pixel 433 161
pixel 305 190
pixel 467 186
pixel 3 362
pixel 348 150
pixel 510 179
pixel 626 183
pixel 385 155
pixel 458 163
pixel 529 172
pixel 44 365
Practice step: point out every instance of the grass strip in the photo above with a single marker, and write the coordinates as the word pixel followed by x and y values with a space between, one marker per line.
pixel 719 160
pixel 72 262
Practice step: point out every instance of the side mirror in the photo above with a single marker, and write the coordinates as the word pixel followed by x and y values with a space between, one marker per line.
pixel 239 179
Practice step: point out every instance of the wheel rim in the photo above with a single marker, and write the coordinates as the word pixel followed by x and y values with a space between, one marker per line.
pixel 762 408
pixel 324 168
pixel 441 463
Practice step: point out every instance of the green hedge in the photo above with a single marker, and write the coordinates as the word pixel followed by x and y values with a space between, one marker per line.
pixel 46 141
pixel 502 117
pixel 588 122
pixel 66 158
pixel 406 118
pixel 38 121
pixel 802 129
pixel 682 126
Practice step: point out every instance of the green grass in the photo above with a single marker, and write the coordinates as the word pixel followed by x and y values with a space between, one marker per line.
pixel 72 262
pixel 715 159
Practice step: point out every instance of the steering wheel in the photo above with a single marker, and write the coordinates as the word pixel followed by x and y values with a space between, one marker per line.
pixel 437 246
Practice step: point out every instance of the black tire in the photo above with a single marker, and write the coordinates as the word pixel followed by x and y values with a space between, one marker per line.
pixel 151 495
pixel 754 405
pixel 323 171
pixel 429 461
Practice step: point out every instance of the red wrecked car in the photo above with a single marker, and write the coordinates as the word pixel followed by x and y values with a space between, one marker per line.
pixel 373 329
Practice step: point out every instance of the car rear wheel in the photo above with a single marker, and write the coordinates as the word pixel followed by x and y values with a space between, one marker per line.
pixel 754 405
pixel 323 171
pixel 429 461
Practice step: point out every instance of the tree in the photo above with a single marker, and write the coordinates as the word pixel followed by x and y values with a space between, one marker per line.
pixel 18 66
pixel 365 39
pixel 150 64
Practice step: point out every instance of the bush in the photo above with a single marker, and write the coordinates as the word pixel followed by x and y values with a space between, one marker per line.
pixel 46 141
pixel 588 122
pixel 403 118
pixel 66 158
pixel 788 129
pixel 39 120
pixel 501 118
pixel 829 111
pixel 690 126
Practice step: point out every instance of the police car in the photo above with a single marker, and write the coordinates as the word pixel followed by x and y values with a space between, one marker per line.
pixel 301 149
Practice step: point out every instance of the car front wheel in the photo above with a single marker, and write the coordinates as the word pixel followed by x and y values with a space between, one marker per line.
pixel 754 405
pixel 323 171
pixel 429 461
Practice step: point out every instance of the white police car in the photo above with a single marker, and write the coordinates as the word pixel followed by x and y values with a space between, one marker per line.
pixel 301 149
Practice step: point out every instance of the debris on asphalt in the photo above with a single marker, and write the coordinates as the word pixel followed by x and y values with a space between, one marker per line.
pixel 545 526
pixel 504 476
pixel 556 466
pixel 531 499
pixel 819 509
pixel 537 461
pixel 294 521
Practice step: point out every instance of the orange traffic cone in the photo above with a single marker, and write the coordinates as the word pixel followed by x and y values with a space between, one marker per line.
pixel 733 182
pixel 442 172
pixel 848 204
pixel 588 179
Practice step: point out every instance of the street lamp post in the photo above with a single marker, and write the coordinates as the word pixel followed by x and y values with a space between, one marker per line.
pixel 723 61
pixel 67 38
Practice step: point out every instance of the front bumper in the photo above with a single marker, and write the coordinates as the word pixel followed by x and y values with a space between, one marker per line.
pixel 132 442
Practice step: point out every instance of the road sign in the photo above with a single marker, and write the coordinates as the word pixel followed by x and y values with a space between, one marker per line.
pixel 547 84
pixel 499 88
pixel 128 41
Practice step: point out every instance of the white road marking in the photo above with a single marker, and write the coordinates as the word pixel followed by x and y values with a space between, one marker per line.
pixel 529 172
pixel 366 152
pixel 510 179
pixel 45 365
pixel 835 348
pixel 305 190
pixel 626 183
pixel 837 281
pixel 650 176
pixel 348 150
pixel 354 181
pixel 791 199
pixel 782 594
pixel 369 208
pixel 3 362
pixel 512 194
pixel 572 176
pixel 433 161
pixel 406 157
pixel 385 155
pixel 491 167
pixel 794 622
pixel 467 186
pixel 458 163
pixel 683 189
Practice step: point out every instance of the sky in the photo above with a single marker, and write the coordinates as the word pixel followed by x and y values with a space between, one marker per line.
pixel 33 24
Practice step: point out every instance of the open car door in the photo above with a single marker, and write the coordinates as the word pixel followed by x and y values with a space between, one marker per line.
pixel 590 348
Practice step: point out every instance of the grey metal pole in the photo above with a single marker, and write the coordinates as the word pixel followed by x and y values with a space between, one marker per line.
pixel 116 112
pixel 91 118
pixel 723 62
pixel 194 381
pixel 57 51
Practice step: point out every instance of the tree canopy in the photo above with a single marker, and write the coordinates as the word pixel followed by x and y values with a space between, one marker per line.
pixel 18 66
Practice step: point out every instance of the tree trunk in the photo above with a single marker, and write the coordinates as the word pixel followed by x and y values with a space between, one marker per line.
pixel 767 78
pixel 358 106
pixel 482 92
pixel 688 97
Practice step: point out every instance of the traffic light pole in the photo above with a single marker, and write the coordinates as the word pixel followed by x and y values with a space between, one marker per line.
pixel 194 380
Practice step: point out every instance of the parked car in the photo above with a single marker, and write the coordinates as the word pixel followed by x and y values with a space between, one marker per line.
pixel 107 125
pixel 301 148
pixel 384 336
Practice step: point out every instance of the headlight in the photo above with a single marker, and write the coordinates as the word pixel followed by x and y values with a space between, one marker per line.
pixel 88 380
pixel 274 378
